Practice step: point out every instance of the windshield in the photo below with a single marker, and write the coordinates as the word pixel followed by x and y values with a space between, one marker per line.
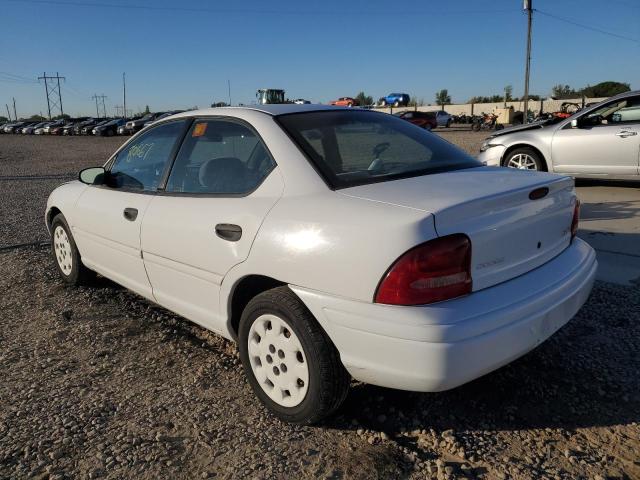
pixel 358 147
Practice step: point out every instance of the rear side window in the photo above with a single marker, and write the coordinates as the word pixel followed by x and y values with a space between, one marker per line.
pixel 142 163
pixel 220 157
pixel 358 147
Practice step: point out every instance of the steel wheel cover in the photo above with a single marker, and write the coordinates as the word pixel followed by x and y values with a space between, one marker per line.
pixel 278 361
pixel 62 249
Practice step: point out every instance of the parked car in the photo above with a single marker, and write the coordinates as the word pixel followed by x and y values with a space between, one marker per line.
pixel 301 101
pixel 160 117
pixel 40 130
pixel 135 125
pixel 108 129
pixel 50 126
pixel 598 142
pixel 12 127
pixel 395 99
pixel 88 129
pixel 262 232
pixel 30 129
pixel 443 119
pixel 80 126
pixel 426 120
pixel 345 102
pixel 58 129
pixel 123 130
pixel 69 128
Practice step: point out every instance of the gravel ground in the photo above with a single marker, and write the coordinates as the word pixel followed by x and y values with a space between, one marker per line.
pixel 98 383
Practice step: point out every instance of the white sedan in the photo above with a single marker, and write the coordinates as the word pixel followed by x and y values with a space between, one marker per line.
pixel 330 243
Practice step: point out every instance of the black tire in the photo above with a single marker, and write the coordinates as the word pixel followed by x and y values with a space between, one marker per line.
pixel 535 156
pixel 78 273
pixel 448 123
pixel 475 126
pixel 328 380
pixel 396 104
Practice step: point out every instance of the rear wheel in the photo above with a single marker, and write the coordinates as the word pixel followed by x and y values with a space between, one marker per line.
pixel 290 362
pixel 524 159
pixel 396 104
pixel 66 254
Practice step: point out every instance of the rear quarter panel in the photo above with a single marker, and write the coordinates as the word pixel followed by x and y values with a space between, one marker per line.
pixel 332 243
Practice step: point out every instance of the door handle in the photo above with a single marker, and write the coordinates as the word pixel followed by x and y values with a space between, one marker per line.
pixel 625 133
pixel 130 214
pixel 229 231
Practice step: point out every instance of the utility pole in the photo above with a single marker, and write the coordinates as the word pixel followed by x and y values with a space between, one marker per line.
pixel 52 102
pixel 104 109
pixel 528 6
pixel 229 85
pixel 8 112
pixel 124 96
pixel 15 115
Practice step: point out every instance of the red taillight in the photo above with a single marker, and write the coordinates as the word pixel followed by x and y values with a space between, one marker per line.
pixel 576 219
pixel 437 270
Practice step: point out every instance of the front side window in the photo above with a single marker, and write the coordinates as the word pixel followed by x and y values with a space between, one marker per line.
pixel 358 147
pixel 220 157
pixel 141 164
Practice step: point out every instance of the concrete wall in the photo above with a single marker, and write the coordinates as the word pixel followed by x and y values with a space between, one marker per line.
pixel 478 108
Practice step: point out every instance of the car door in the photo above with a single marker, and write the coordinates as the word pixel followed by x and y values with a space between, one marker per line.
pixel 606 141
pixel 107 217
pixel 221 187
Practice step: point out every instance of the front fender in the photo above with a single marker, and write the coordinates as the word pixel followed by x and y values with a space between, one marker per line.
pixel 63 199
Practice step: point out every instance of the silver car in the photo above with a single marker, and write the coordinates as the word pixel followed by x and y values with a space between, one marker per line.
pixel 443 118
pixel 601 141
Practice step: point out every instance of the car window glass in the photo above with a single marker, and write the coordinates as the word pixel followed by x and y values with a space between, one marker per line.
pixel 618 112
pixel 219 157
pixel 359 147
pixel 141 164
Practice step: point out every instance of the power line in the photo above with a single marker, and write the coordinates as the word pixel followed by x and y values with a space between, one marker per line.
pixel 588 27
pixel 129 6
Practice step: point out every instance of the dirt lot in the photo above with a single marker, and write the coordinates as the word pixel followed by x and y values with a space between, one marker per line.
pixel 98 383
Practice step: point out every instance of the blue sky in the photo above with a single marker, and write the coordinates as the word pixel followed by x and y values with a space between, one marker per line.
pixel 183 57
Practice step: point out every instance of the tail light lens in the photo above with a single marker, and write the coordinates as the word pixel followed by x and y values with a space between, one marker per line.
pixel 576 219
pixel 431 272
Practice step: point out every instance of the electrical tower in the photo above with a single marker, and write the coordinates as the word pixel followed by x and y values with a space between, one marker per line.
pixel 52 90
pixel 97 97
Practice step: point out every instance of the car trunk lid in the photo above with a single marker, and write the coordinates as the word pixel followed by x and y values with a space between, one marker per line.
pixel 510 232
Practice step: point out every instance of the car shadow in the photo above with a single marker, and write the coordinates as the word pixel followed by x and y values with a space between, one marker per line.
pixel 609 210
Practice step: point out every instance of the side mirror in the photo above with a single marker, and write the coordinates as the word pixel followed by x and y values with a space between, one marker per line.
pixel 92 175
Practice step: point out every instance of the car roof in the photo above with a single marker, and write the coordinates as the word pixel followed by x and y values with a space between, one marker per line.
pixel 272 109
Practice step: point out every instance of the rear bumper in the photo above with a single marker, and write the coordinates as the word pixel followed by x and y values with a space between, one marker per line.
pixel 440 346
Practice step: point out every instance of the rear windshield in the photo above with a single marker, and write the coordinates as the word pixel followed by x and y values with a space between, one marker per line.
pixel 358 147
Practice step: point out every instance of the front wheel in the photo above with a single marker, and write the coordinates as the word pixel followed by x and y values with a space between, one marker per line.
pixel 66 254
pixel 524 159
pixel 290 362
pixel 475 126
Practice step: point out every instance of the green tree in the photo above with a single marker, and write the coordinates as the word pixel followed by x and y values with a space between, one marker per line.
pixel 62 117
pixel 606 89
pixel 146 110
pixel 35 118
pixel 443 98
pixel 3 119
pixel 563 91
pixel 508 93
pixel 363 99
